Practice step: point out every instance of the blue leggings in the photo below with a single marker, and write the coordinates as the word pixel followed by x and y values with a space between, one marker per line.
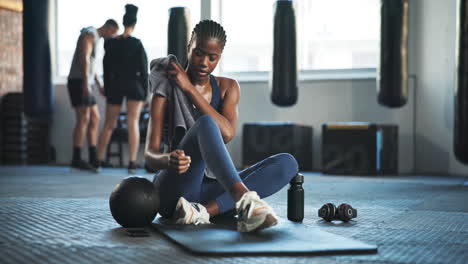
pixel 204 144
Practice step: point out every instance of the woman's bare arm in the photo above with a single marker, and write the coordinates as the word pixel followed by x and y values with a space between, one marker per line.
pixel 153 157
pixel 227 119
pixel 175 161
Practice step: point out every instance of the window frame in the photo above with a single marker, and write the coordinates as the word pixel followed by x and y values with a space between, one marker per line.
pixel 308 75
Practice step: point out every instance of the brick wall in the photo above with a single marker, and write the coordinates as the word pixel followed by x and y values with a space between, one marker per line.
pixel 11 51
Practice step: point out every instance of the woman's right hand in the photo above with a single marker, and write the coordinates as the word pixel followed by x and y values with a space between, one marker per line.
pixel 178 162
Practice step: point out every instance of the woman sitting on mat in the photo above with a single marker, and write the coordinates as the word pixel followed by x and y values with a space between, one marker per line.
pixel 198 179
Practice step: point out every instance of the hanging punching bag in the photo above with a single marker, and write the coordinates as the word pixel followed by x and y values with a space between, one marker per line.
pixel 178 33
pixel 284 74
pixel 37 85
pixel 460 143
pixel 392 77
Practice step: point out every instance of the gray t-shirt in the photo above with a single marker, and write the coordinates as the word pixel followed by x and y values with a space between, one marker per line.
pixel 75 69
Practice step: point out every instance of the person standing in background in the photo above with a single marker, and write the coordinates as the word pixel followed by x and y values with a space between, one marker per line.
pixel 81 79
pixel 125 76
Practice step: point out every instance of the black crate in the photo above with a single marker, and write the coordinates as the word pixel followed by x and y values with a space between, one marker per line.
pixel 12 104
pixel 14 131
pixel 14 156
pixel 359 148
pixel 15 147
pixel 261 140
pixel 24 140
pixel 16 121
pixel 14 139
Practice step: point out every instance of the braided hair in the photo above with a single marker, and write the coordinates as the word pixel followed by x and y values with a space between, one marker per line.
pixel 209 29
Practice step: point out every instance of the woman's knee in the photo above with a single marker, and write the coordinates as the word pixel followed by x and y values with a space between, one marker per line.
pixel 94 117
pixel 110 124
pixel 94 122
pixel 133 124
pixel 83 121
pixel 206 121
pixel 206 126
pixel 287 163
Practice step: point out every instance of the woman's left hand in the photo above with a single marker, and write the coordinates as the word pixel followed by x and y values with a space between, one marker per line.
pixel 176 73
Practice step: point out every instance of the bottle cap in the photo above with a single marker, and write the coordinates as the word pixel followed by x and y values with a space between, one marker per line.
pixel 299 178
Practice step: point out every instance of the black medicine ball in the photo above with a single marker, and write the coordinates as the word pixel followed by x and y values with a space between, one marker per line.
pixel 134 202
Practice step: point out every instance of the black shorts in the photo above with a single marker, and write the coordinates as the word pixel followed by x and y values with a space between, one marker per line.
pixel 115 96
pixel 75 91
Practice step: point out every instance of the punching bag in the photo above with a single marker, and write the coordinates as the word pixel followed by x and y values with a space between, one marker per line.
pixel 284 74
pixel 37 85
pixel 178 33
pixel 460 143
pixel 392 77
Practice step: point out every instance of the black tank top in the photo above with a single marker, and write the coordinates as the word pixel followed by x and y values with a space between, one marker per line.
pixel 216 94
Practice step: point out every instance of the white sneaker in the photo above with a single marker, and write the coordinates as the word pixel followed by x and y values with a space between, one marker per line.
pixel 254 213
pixel 190 213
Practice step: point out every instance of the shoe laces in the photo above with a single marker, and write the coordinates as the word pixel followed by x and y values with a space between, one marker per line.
pixel 244 204
pixel 196 206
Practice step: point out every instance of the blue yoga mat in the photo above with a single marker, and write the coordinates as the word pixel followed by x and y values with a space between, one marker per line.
pixel 286 238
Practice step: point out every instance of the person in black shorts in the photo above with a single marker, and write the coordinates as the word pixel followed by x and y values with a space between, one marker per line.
pixel 125 76
pixel 81 79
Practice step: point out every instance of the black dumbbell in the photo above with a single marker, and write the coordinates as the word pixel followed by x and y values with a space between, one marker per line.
pixel 330 212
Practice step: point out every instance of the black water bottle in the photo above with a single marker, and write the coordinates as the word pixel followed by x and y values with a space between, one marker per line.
pixel 296 199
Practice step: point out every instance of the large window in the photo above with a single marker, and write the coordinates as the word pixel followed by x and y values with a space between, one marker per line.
pixel 331 34
pixel 151 27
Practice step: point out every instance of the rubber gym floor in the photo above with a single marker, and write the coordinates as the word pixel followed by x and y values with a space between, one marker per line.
pixel 52 215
